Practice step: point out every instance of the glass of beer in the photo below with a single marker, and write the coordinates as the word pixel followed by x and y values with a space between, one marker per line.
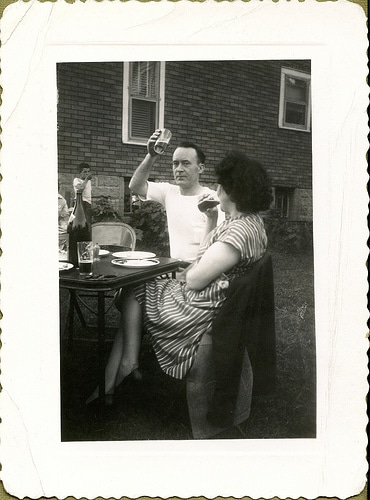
pixel 85 253
pixel 163 141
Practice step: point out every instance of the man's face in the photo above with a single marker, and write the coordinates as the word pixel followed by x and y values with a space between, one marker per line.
pixel 186 167
pixel 84 173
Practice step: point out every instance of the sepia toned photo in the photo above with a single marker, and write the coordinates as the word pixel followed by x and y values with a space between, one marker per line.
pixel 258 380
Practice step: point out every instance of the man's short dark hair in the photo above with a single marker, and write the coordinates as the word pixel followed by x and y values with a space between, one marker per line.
pixel 200 154
pixel 83 165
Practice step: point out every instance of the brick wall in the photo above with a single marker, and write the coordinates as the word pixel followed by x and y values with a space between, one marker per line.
pixel 218 104
pixel 302 205
pixel 235 104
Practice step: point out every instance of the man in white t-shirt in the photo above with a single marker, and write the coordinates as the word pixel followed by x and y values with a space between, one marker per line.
pixel 83 183
pixel 187 226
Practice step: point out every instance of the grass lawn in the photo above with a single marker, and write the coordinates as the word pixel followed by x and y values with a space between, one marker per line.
pixel 156 408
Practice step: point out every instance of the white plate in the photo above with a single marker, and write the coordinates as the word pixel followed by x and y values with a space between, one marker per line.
pixel 135 263
pixel 103 253
pixel 133 255
pixel 65 266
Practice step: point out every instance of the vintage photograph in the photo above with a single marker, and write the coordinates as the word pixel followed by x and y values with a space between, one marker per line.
pixel 190 312
pixel 183 266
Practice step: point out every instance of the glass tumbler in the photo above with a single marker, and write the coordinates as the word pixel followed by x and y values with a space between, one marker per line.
pixel 163 141
pixel 85 252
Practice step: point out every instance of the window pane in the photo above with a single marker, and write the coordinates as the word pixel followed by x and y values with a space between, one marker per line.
pixel 153 80
pixel 143 118
pixel 135 83
pixel 282 203
pixel 296 89
pixel 295 113
pixel 144 79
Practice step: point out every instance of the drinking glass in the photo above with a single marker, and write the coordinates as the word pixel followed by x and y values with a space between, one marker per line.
pixel 163 141
pixel 85 253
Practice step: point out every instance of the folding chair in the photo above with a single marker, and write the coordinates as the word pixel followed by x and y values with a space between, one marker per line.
pixel 117 234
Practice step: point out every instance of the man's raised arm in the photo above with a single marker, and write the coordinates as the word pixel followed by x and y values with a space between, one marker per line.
pixel 139 180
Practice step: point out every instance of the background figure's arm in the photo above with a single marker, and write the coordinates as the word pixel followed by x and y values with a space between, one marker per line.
pixel 80 185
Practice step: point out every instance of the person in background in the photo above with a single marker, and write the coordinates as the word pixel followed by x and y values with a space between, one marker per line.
pixel 63 217
pixel 83 184
pixel 175 313
pixel 185 221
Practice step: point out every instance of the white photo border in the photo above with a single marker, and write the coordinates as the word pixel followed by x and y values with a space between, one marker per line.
pixel 333 464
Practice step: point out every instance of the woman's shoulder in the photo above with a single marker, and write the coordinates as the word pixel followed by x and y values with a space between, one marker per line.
pixel 247 220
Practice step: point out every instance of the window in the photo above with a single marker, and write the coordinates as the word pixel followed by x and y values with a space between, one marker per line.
pixel 143 100
pixel 295 100
pixel 282 200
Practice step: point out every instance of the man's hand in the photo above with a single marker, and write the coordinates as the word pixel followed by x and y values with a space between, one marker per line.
pixel 151 141
pixel 207 204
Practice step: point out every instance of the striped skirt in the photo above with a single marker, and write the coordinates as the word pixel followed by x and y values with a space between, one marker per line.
pixel 176 318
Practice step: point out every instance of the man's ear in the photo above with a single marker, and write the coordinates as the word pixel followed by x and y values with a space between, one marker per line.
pixel 201 167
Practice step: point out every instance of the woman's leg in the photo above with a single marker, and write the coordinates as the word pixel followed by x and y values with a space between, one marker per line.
pixel 131 325
pixel 124 355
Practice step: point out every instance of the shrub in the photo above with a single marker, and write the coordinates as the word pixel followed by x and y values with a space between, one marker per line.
pixel 288 236
pixel 103 210
pixel 150 223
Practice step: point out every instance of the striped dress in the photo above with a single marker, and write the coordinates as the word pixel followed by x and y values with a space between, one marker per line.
pixel 176 317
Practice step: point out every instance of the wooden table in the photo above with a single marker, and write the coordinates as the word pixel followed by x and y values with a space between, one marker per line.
pixel 107 277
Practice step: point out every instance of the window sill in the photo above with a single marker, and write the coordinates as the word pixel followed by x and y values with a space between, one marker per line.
pixel 297 129
pixel 135 142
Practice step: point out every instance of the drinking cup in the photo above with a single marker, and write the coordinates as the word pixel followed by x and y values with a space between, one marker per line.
pixel 208 202
pixel 163 141
pixel 96 250
pixel 85 253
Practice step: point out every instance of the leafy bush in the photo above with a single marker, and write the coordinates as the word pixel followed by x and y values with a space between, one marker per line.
pixel 103 210
pixel 288 236
pixel 150 223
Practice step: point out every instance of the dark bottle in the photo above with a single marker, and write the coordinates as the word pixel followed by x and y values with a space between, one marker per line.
pixel 78 229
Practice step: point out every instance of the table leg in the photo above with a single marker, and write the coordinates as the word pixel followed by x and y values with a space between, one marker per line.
pixel 101 345
pixel 70 321
pixel 73 306
pixel 79 313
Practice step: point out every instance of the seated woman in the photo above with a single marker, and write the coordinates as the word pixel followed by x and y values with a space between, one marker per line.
pixel 177 313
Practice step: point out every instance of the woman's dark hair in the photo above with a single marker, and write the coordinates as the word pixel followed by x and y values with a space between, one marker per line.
pixel 245 181
pixel 200 154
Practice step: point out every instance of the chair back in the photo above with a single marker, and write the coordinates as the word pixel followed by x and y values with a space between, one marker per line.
pixel 116 234
pixel 237 358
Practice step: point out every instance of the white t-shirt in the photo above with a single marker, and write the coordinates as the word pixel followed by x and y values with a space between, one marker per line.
pixel 185 221
pixel 86 193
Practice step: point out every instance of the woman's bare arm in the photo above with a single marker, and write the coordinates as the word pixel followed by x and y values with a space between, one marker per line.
pixel 217 259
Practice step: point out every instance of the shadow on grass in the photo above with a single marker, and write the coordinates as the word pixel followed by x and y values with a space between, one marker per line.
pixel 156 409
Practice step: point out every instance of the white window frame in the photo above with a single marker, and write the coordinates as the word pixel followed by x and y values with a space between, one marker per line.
pixel 299 75
pixel 126 115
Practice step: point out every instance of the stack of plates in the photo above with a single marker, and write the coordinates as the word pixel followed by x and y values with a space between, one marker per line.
pixel 134 259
